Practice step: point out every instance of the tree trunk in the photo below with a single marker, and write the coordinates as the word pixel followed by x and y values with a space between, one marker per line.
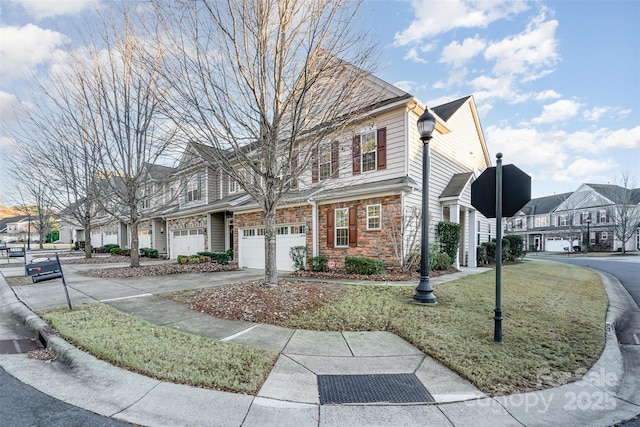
pixel 87 234
pixel 270 265
pixel 135 255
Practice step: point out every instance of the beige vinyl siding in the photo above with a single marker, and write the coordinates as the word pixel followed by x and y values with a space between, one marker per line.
pixel 217 233
pixel 462 144
pixel 160 240
pixel 213 186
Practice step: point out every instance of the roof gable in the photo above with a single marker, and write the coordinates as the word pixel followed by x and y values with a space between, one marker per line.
pixel 445 111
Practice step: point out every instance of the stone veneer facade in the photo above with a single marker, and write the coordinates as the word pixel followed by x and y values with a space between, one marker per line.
pixel 374 244
pixel 189 222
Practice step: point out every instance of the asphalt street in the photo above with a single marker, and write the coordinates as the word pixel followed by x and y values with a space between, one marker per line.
pixel 625 269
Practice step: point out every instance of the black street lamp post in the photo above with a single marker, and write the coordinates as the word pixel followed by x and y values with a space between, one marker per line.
pixel 588 221
pixel 424 291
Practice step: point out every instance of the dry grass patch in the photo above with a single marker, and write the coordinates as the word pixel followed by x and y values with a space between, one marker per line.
pixel 160 352
pixel 19 280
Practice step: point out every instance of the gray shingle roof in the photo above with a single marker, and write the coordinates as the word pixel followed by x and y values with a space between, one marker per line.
pixel 543 205
pixel 456 185
pixel 445 111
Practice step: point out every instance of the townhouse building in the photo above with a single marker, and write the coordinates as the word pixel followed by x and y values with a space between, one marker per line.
pixel 584 220
pixel 360 197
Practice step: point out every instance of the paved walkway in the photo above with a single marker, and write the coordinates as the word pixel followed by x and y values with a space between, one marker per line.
pixel 291 394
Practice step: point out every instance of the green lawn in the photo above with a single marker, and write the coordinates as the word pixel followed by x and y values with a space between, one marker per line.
pixel 554 322
pixel 160 352
pixel 553 329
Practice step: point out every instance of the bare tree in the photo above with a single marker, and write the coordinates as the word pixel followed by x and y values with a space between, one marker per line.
pixel 626 212
pixel 36 202
pixel 58 133
pixel 126 99
pixel 264 83
pixel 404 235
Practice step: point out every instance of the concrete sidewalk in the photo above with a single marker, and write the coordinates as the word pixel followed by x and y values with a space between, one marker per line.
pixel 607 394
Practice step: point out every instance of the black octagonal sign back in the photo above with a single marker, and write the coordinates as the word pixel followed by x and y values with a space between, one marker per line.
pixel 516 191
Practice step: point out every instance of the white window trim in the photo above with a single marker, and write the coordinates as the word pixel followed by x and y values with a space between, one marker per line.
pixel 374 151
pixel 336 228
pixel 325 147
pixel 379 216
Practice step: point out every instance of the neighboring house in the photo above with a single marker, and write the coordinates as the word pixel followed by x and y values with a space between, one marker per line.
pixel 358 190
pixel 571 221
pixel 16 229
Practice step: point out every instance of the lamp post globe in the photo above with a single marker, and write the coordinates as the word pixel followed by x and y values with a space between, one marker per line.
pixel 424 291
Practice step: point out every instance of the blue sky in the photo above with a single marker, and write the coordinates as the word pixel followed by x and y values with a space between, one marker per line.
pixel 556 83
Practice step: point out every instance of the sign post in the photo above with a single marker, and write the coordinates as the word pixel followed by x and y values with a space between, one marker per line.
pixel 497 329
pixel 495 200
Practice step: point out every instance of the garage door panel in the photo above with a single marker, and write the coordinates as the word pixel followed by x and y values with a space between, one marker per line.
pixel 187 242
pixel 252 249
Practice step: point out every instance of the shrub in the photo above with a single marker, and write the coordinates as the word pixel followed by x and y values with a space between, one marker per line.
pixel 361 265
pixel 443 261
pixel 230 253
pixel 516 246
pixel 491 251
pixel 144 251
pixel 219 257
pixel 449 238
pixel 434 250
pixel 110 246
pixel 152 253
pixel 298 255
pixel 193 259
pixel 319 263
pixel 481 255
pixel 120 251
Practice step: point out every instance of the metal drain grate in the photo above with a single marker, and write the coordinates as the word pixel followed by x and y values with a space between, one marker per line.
pixel 18 346
pixel 629 338
pixel 391 388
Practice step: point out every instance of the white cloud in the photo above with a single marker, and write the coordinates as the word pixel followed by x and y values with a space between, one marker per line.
pixel 547 94
pixel 528 52
pixel 526 147
pixel 434 18
pixel 595 113
pixel 7 143
pixel 456 54
pixel 583 170
pixel 413 55
pixel 558 111
pixel 41 9
pixel 8 104
pixel 24 48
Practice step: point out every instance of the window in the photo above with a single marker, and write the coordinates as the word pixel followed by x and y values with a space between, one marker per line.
pixel 602 216
pixel 563 220
pixel 368 141
pixel 342 227
pixel 604 235
pixel 249 232
pixel 541 221
pixel 260 232
pixel 374 217
pixel 324 161
pixel 193 189
pixel 296 229
pixel 282 230
pixel 585 217
pixel 233 185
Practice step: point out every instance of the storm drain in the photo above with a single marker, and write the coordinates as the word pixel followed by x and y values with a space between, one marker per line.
pixel 391 388
pixel 628 338
pixel 18 346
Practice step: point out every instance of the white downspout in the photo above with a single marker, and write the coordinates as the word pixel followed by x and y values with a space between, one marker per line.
pixel 314 223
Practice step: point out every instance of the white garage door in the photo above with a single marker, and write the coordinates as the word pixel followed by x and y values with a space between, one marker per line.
pixel 251 246
pixel 187 242
pixel 558 245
